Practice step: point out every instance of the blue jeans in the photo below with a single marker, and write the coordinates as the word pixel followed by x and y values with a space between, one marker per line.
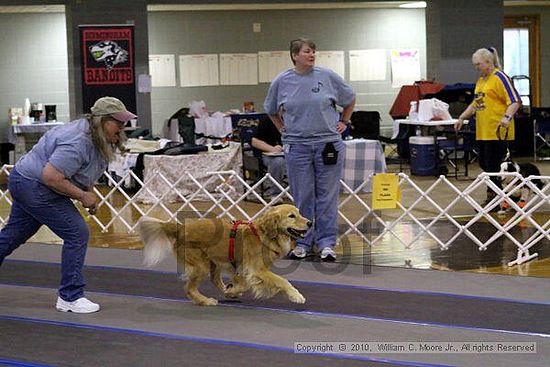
pixel 276 167
pixel 34 205
pixel 315 188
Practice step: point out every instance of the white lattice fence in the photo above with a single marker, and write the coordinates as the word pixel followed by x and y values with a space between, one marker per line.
pixel 460 211
pixel 425 204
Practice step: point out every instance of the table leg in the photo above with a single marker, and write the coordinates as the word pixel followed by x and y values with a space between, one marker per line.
pixel 20 146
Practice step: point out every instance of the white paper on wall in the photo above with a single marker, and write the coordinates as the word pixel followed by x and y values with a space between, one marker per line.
pixel 405 66
pixel 144 83
pixel 238 69
pixel 271 63
pixel 367 65
pixel 199 70
pixel 163 70
pixel 333 60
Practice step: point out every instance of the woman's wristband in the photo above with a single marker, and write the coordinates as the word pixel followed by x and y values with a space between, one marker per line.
pixel 346 122
pixel 507 117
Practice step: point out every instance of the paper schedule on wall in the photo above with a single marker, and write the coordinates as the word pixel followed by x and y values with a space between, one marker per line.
pixel 199 70
pixel 333 60
pixel 367 65
pixel 271 63
pixel 405 66
pixel 238 69
pixel 163 70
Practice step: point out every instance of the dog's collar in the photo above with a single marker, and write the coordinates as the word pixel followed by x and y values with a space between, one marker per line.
pixel 233 234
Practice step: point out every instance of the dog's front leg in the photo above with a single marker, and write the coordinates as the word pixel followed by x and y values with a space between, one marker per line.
pixel 236 287
pixel 269 284
pixel 216 276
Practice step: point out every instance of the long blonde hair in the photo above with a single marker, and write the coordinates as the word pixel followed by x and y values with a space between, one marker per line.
pixel 97 132
pixel 487 54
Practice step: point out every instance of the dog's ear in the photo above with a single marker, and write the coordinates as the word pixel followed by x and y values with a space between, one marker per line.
pixel 269 223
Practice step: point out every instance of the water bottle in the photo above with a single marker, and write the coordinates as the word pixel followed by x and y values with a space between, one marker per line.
pixel 26 112
pixel 413 111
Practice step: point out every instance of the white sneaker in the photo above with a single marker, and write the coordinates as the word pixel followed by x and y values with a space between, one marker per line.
pixel 298 253
pixel 328 254
pixel 81 305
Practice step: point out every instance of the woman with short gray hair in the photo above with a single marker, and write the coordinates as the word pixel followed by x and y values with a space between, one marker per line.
pixel 302 103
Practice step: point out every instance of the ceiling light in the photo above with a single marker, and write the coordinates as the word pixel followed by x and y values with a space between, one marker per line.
pixel 414 5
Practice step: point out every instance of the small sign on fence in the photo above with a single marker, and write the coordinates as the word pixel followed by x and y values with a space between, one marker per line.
pixel 385 191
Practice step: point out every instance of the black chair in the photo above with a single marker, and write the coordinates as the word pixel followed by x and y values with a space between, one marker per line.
pixel 186 125
pixel 398 151
pixel 253 167
pixel 365 124
pixel 460 146
pixel 541 129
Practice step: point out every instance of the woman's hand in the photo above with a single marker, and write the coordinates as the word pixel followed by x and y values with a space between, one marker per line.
pixel 505 121
pixel 458 124
pixel 277 149
pixel 88 199
pixel 341 127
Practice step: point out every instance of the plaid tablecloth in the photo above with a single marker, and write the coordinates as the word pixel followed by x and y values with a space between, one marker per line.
pixel 363 158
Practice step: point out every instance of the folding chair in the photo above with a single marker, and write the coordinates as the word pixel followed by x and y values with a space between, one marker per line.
pixel 541 129
pixel 458 147
pixel 253 168
pixel 398 151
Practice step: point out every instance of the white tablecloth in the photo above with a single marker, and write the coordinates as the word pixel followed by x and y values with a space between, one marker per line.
pixel 174 168
pixel 17 134
pixel 363 158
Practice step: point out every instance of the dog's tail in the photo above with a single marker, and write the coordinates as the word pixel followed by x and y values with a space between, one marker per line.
pixel 158 238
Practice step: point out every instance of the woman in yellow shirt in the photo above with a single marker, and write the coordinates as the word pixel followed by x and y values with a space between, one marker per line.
pixel 495 103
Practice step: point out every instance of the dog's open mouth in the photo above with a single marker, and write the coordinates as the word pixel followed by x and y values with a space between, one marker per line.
pixel 296 233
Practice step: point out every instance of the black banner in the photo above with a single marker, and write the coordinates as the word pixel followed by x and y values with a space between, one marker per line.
pixel 108 64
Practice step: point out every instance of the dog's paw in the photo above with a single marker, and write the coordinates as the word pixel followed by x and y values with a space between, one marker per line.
pixel 232 293
pixel 207 302
pixel 296 297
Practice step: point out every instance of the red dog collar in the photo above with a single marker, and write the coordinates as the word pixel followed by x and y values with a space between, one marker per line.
pixel 233 234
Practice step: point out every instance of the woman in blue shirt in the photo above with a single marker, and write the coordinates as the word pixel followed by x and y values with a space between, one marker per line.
pixel 302 102
pixel 64 165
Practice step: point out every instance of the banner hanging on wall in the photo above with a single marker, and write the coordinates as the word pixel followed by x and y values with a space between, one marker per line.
pixel 108 64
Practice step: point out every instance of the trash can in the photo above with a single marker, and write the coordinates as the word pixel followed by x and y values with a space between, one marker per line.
pixel 423 159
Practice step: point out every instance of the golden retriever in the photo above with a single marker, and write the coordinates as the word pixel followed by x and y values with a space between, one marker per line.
pixel 202 246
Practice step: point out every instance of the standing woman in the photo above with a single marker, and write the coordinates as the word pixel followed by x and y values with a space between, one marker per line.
pixel 302 102
pixel 495 103
pixel 64 164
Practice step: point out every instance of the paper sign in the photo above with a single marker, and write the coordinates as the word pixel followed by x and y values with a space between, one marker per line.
pixel 385 191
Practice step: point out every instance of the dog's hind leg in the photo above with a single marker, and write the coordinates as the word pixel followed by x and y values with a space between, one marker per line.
pixel 195 275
